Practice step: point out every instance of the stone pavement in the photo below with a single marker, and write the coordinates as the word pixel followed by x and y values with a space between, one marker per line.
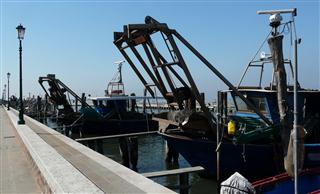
pixel 16 172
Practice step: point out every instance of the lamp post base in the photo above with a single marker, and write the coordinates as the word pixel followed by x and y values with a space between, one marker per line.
pixel 21 122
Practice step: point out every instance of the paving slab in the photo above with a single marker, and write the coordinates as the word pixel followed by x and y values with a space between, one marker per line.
pixel 16 171
pixel 56 174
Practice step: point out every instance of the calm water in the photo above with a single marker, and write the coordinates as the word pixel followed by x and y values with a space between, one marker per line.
pixel 152 153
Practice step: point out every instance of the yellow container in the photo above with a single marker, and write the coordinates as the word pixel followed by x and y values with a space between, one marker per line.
pixel 231 127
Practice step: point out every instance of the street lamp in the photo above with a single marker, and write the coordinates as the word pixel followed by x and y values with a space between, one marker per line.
pixel 21 31
pixel 8 75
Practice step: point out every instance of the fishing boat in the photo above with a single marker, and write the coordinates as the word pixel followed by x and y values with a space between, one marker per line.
pixel 115 113
pixel 254 144
pixel 253 140
pixel 248 144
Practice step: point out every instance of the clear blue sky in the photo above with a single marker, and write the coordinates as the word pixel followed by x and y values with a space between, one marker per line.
pixel 73 39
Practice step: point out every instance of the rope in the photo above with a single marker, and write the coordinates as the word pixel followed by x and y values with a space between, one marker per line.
pixel 260 47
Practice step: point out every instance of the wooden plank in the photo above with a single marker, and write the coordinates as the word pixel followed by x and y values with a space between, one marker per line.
pixel 173 172
pixel 116 136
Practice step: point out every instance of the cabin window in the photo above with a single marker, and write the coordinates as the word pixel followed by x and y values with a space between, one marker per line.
pixel 258 102
pixel 101 104
pixel 95 104
pixel 109 104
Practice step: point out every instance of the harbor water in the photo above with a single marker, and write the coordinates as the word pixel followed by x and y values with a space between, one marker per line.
pixel 152 153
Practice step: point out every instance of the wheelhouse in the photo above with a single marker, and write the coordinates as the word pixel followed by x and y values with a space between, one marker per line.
pixel 266 102
pixel 104 105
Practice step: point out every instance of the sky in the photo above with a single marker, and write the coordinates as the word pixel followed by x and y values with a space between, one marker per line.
pixel 74 40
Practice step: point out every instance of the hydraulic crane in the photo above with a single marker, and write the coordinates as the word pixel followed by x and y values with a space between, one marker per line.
pixel 169 74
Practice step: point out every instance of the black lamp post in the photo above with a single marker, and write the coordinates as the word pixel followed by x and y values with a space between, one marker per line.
pixel 21 31
pixel 8 75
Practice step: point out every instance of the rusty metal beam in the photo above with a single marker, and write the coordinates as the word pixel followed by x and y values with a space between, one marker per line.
pixel 194 88
pixel 162 88
pixel 144 65
pixel 164 70
pixel 173 71
pixel 41 84
pixel 127 58
pixel 178 76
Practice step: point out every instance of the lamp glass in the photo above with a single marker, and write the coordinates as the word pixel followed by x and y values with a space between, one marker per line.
pixel 8 75
pixel 21 31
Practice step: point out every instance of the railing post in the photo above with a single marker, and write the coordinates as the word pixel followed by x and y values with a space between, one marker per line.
pixel 99 143
pixel 184 183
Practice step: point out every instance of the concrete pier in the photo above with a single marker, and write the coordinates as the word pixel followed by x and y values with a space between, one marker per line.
pixel 16 173
pixel 54 163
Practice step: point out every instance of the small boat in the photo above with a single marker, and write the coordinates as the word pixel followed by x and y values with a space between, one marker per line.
pixel 308 178
pixel 309 182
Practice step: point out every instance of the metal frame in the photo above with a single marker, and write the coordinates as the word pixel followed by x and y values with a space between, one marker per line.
pixel 134 35
pixel 60 88
pixel 261 64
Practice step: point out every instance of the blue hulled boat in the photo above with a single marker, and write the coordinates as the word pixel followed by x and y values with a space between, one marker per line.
pixel 253 138
pixel 248 144
pixel 254 150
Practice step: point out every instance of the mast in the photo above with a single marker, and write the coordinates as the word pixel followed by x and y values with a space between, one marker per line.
pixel 275 44
pixel 120 70
pixel 295 119
pixel 116 86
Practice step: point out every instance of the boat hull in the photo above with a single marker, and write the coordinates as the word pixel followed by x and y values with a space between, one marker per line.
pixel 251 160
pixel 309 181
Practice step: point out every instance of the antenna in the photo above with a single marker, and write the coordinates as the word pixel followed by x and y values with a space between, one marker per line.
pixel 119 63
pixel 280 11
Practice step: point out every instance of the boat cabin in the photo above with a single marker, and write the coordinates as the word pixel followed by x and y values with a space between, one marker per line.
pixel 104 105
pixel 249 125
pixel 266 102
